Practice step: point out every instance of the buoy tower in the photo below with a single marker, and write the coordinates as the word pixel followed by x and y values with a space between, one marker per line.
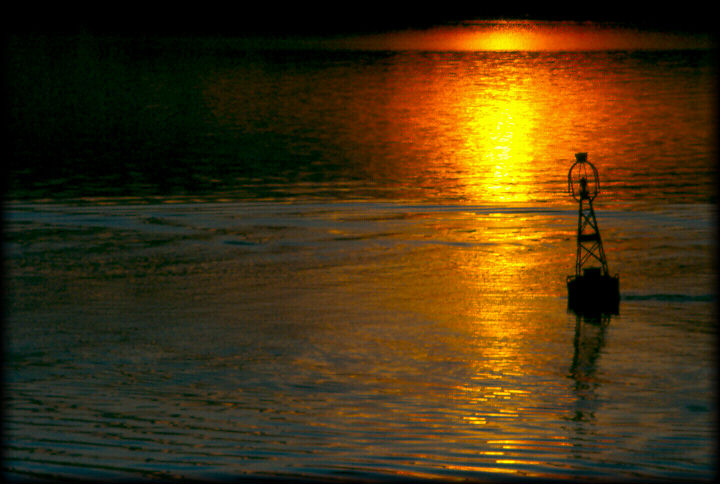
pixel 591 288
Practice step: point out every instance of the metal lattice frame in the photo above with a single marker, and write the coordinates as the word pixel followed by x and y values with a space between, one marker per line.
pixel 589 243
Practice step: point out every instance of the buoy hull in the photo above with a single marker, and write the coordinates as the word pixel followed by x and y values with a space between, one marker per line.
pixel 594 293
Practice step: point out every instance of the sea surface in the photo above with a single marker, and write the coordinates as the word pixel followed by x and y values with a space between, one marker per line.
pixel 228 263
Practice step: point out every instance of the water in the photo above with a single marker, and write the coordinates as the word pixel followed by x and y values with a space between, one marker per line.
pixel 351 265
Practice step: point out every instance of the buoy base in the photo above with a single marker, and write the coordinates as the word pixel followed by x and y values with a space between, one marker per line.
pixel 593 292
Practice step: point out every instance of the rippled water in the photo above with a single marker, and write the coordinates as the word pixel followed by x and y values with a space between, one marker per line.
pixel 357 269
pixel 353 339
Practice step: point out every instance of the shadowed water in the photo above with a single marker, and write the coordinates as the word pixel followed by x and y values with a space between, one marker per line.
pixel 352 265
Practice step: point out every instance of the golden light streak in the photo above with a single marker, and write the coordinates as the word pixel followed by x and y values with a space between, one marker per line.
pixel 500 470
pixel 499 133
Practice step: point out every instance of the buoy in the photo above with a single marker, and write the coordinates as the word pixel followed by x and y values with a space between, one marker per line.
pixel 591 289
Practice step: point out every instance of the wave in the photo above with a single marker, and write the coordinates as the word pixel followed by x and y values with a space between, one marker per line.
pixel 669 297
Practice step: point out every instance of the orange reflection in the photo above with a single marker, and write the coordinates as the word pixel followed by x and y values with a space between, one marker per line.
pixel 473 132
pixel 498 132
pixel 499 470
pixel 504 128
pixel 496 128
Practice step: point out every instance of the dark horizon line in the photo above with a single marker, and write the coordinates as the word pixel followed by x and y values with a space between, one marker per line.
pixel 351 19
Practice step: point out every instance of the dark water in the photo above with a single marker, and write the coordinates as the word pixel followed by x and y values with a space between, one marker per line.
pixel 344 264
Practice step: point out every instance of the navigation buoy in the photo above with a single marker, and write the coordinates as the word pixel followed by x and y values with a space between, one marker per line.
pixel 591 288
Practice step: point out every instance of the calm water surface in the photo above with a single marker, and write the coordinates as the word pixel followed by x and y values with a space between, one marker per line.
pixel 352 265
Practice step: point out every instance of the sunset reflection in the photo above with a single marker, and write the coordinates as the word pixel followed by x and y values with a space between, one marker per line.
pixel 483 127
pixel 498 134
